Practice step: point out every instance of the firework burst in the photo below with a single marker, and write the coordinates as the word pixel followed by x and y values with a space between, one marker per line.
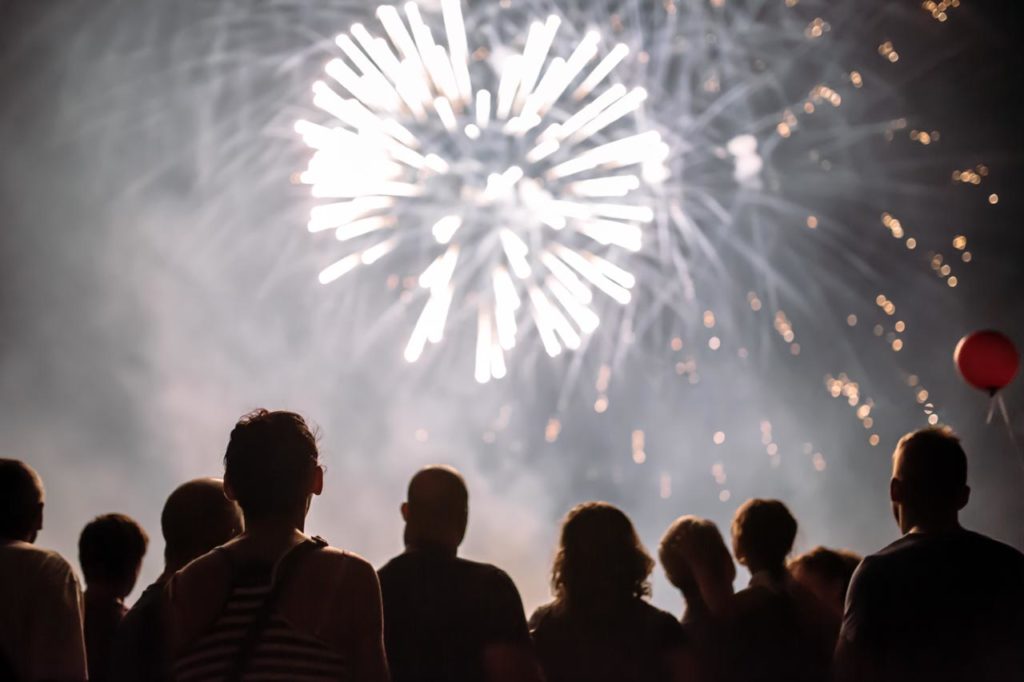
pixel 511 176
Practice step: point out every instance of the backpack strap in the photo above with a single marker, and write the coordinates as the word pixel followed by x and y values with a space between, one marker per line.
pixel 259 623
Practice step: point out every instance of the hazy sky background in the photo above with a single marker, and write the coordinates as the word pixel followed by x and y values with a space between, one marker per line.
pixel 156 282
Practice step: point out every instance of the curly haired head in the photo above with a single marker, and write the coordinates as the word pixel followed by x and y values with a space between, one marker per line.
pixel 600 559
pixel 270 461
pixel 690 544
pixel 829 565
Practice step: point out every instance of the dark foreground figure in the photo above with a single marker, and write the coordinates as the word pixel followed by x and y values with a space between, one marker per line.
pixel 447 619
pixel 274 603
pixel 40 601
pixel 599 628
pixel 780 630
pixel 941 604
pixel 698 564
pixel 196 518
pixel 110 550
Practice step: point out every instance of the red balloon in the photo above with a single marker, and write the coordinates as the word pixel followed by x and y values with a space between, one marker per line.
pixel 987 359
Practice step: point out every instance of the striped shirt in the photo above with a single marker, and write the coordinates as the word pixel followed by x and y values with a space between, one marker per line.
pixel 281 652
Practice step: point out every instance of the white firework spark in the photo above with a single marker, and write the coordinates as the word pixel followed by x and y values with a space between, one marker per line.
pixel 512 177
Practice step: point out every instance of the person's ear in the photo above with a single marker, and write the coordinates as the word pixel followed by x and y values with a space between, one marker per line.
pixel 229 492
pixel 405 511
pixel 965 495
pixel 896 490
pixel 317 486
pixel 37 522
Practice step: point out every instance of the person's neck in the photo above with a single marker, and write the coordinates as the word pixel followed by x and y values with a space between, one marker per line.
pixel 268 538
pixel 932 526
pixel 99 592
pixel 696 607
pixel 433 547
pixel 172 564
pixel 717 599
pixel 767 575
pixel 772 570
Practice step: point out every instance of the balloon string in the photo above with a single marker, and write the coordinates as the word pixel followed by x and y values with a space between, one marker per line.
pixel 997 399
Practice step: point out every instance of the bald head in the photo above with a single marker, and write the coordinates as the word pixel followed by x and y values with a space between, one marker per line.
pixel 196 518
pixel 436 509
pixel 21 501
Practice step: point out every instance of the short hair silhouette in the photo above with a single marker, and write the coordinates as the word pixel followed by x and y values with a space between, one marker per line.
pixel 833 565
pixel 269 461
pixel 21 494
pixel 438 500
pixel 196 518
pixel 110 550
pixel 600 558
pixel 762 533
pixel 691 540
pixel 932 468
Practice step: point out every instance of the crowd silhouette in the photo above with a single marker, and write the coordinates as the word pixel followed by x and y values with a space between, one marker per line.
pixel 246 594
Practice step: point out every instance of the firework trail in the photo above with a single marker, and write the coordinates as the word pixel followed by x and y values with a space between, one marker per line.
pixel 510 174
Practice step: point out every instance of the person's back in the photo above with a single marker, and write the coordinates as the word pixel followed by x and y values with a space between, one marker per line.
pixel 780 632
pixel 40 600
pixel 447 619
pixel 778 629
pixel 698 564
pixel 274 603
pixel 442 612
pixel 942 603
pixel 307 635
pixel 196 518
pixel 110 551
pixel 599 628
pixel 942 606
pixel 625 644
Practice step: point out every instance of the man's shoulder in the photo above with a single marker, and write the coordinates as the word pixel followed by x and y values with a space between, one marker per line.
pixel 484 570
pixel 465 568
pixel 906 559
pixel 899 557
pixel 994 548
pixel 395 566
pixel 962 542
pixel 44 560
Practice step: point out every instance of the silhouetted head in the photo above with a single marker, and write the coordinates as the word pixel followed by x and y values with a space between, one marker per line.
pixel 196 518
pixel 436 509
pixel 271 467
pixel 762 535
pixel 929 479
pixel 691 548
pixel 110 550
pixel 21 501
pixel 601 563
pixel 826 573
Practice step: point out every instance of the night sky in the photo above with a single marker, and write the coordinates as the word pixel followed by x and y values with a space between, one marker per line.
pixel 156 282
